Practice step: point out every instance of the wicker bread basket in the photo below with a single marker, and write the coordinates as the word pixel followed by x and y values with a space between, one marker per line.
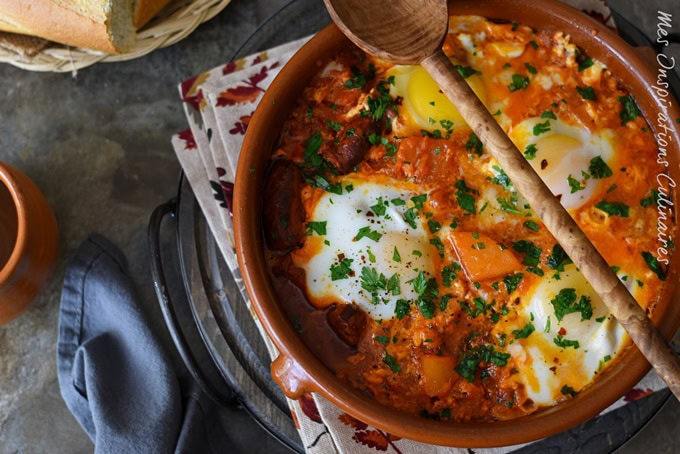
pixel 177 21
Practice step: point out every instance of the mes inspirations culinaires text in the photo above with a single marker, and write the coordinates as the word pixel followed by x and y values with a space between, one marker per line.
pixel 664 136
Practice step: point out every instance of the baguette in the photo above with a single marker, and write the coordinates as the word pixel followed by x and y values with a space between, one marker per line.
pixel 144 10
pixel 106 25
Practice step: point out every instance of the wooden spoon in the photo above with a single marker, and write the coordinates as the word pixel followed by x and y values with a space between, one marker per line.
pixel 412 32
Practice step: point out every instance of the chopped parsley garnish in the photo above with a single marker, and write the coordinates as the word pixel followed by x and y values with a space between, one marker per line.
pixel 508 206
pixel 419 200
pixel 558 258
pixel 474 145
pixel 396 256
pixel 394 285
pixel 536 270
pixel 531 225
pixel 368 233
pixel 448 275
pixel 402 308
pixel 568 391
pixel 629 110
pixel 391 362
pixel 519 82
pixel 434 226
pixel 373 282
pixel 530 68
pixel 358 80
pixel 501 178
pixel 380 208
pixel 599 169
pixel 426 307
pixel 342 270
pixel 410 217
pixel 480 307
pixel 549 114
pixel 378 105
pixel 540 128
pixel 444 303
pixel 371 255
pixel 376 139
pixel 585 64
pixel 334 125
pixel 427 294
pixel 467 367
pixel 511 281
pixel 533 44
pixel 437 243
pixel 532 253
pixel 586 93
pixel 524 332
pixel 333 188
pixel 530 151
pixel 383 339
pixel 567 302
pixel 565 343
pixel 465 197
pixel 613 208
pixel 318 227
pixel 654 265
pixel 466 71
pixel 436 134
pixel 574 184
pixel 651 200
pixel 446 124
pixel 311 153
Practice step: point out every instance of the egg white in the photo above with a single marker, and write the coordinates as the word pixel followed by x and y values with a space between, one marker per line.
pixel 564 151
pixel 547 367
pixel 345 215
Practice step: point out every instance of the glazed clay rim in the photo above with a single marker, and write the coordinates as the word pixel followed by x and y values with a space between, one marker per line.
pixel 20 246
pixel 602 44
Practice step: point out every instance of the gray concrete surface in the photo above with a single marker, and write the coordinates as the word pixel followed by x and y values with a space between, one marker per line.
pixel 97 144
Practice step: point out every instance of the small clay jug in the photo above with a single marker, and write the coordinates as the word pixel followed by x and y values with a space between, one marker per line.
pixel 28 242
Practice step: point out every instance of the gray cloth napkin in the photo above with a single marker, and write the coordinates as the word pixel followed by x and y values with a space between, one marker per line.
pixel 114 374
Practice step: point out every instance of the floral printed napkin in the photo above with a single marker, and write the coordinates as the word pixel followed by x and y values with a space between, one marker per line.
pixel 219 104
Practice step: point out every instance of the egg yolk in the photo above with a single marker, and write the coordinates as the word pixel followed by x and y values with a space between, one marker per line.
pixel 556 147
pixel 431 104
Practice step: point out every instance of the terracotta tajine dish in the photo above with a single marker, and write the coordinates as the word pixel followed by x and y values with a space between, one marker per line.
pixel 298 370
pixel 28 242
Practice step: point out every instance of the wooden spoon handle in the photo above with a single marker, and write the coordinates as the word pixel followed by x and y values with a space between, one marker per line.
pixel 558 221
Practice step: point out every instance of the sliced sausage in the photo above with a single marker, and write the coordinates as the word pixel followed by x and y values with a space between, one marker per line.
pixel 348 321
pixel 351 148
pixel 284 214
